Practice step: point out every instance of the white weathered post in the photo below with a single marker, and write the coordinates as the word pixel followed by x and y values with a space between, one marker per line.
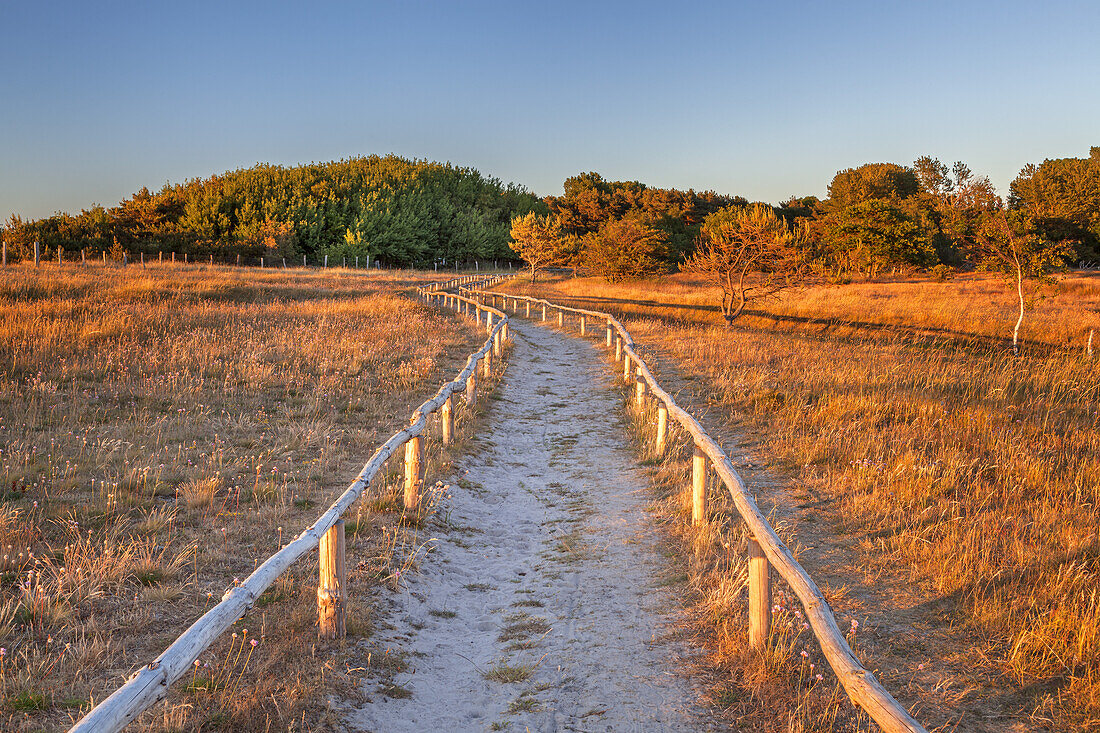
pixel 487 365
pixel 626 366
pixel 447 417
pixel 618 347
pixel 582 326
pixel 332 584
pixel 561 318
pixel 527 313
pixel 544 312
pixel 698 486
pixel 609 334
pixel 760 598
pixel 412 473
pixel 640 387
pixel 496 343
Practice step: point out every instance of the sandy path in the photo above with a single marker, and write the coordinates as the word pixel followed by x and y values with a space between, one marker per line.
pixel 549 566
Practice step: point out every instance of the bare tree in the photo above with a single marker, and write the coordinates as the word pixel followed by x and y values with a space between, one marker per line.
pixel 750 253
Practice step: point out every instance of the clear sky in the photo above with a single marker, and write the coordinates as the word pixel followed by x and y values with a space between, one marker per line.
pixel 762 99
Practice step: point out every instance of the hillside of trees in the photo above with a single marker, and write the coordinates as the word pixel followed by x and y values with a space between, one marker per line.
pixel 388 209
pixel 877 217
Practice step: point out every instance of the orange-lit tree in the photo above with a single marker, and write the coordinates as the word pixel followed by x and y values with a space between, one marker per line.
pixel 750 253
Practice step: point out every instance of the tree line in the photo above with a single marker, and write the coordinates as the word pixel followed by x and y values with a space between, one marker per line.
pixel 877 217
pixel 390 209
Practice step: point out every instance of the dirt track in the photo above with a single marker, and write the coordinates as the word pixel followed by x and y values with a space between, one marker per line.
pixel 548 574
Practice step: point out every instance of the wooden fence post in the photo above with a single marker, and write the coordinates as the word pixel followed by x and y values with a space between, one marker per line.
pixel 662 428
pixel 618 347
pixel 544 312
pixel 527 303
pixel 332 584
pixel 488 322
pixel 640 387
pixel 496 343
pixel 561 318
pixel 582 326
pixel 487 365
pixel 471 388
pixel 698 486
pixel 609 334
pixel 626 366
pixel 760 597
pixel 447 415
pixel 412 473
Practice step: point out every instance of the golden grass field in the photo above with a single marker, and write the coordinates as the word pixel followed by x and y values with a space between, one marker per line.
pixel 163 430
pixel 948 465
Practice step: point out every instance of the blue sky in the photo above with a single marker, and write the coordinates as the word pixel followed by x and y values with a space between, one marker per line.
pixel 761 99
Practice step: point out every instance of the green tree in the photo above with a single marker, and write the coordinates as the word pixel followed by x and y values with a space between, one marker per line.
pixel 750 253
pixel 1063 197
pixel 623 249
pixel 1008 242
pixel 872 181
pixel 874 234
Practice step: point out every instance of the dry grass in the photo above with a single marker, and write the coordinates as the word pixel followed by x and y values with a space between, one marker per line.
pixel 163 430
pixel 955 467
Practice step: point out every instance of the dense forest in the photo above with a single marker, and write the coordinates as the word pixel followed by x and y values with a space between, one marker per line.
pixel 877 217
pixel 388 209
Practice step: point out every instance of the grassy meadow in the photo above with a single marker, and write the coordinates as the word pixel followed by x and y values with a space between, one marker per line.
pixel 162 430
pixel 943 466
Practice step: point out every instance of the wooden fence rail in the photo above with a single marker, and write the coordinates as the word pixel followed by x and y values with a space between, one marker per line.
pixel 765 546
pixel 150 683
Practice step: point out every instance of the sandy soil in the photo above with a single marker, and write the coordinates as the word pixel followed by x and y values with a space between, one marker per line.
pixel 541 605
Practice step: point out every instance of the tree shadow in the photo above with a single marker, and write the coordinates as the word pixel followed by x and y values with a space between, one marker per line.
pixel 857 330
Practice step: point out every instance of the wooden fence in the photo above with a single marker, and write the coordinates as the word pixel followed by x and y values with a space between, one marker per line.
pixel 150 683
pixel 765 546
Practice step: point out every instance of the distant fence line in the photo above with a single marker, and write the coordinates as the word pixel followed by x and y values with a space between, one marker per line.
pixel 151 682
pixel 141 257
pixel 765 546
